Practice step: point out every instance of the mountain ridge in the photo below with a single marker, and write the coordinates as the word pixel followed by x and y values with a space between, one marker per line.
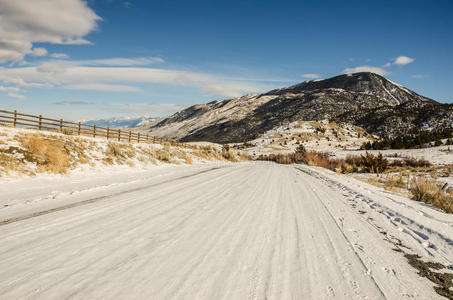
pixel 364 99
pixel 122 122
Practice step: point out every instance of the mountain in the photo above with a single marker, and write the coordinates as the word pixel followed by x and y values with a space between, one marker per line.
pixel 367 100
pixel 125 122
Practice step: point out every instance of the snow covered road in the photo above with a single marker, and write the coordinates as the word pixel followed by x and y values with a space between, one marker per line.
pixel 233 231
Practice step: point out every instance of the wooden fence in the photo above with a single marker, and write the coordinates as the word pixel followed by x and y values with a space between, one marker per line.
pixel 15 119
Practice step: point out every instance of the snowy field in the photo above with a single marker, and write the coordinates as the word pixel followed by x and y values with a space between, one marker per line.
pixel 441 155
pixel 253 230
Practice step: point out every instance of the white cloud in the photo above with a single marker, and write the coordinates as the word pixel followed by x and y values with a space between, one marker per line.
pixel 59 55
pixel 73 102
pixel 387 64
pixel 9 89
pixel 102 87
pixel 376 70
pixel 418 76
pixel 53 67
pixel 17 96
pixel 311 76
pixel 39 52
pixel 120 62
pixel 23 23
pixel 20 82
pixel 64 74
pixel 403 60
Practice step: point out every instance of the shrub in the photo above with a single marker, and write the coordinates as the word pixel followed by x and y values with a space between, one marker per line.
pixel 301 149
pixel 227 153
pixel 427 191
pixel 413 162
pixel 374 163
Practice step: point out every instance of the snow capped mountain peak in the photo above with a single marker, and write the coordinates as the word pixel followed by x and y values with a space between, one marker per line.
pixel 122 122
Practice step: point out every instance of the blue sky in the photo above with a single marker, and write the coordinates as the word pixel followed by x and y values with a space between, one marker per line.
pixel 114 58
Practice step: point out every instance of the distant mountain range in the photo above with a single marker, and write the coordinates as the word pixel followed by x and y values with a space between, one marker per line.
pixel 367 100
pixel 125 122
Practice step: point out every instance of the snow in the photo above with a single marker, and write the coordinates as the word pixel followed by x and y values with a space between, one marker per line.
pixel 253 230
pixel 323 136
pixel 400 86
pixel 88 154
pixel 440 155
pixel 122 122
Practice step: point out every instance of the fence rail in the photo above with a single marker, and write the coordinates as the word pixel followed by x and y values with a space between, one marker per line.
pixel 15 119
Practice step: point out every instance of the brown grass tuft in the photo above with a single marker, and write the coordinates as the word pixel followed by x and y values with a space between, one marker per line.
pixel 428 191
pixel 49 153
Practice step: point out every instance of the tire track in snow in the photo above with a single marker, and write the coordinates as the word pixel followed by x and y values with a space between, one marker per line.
pixel 252 231
pixel 89 201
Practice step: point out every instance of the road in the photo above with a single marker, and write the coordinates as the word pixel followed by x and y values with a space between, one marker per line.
pixel 245 231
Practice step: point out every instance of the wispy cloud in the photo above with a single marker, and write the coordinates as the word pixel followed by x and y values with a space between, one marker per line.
pixel 120 62
pixel 311 76
pixel 59 55
pixel 376 70
pixel 17 96
pixel 418 76
pixel 122 79
pixel 73 102
pixel 18 81
pixel 102 87
pixel 39 52
pixel 9 89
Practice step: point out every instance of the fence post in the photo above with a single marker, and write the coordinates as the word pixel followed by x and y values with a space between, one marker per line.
pixel 40 122
pixel 78 129
pixel 129 139
pixel 108 129
pixel 94 131
pixel 15 118
pixel 119 135
pixel 61 125
pixel 138 140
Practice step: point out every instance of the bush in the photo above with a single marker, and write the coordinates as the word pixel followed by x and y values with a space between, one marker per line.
pixel 413 162
pixel 427 191
pixel 374 163
pixel 226 152
pixel 301 149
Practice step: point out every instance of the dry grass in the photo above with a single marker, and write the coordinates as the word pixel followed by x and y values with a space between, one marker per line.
pixel 419 189
pixel 34 152
pixel 162 155
pixel 428 191
pixel 50 154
